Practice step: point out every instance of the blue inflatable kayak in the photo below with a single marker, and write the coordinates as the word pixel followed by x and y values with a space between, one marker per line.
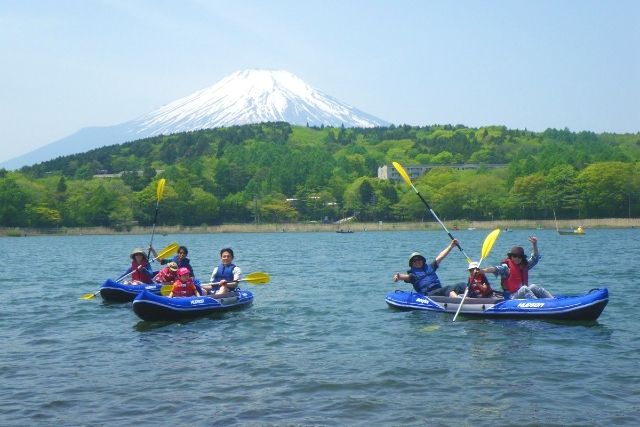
pixel 565 307
pixel 113 291
pixel 149 306
pixel 119 292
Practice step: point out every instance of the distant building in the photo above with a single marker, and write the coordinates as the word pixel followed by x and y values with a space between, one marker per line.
pixel 388 172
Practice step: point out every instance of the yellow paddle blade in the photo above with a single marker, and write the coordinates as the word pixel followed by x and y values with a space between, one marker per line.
pixel 89 296
pixel 403 173
pixel 160 188
pixel 488 243
pixel 165 290
pixel 169 250
pixel 256 278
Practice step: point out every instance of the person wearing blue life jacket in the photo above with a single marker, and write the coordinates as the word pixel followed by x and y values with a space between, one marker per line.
pixel 180 259
pixel 226 275
pixel 423 276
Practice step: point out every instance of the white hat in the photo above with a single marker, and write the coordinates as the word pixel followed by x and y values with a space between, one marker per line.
pixel 473 265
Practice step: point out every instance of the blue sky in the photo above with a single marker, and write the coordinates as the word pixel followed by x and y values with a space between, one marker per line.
pixel 523 64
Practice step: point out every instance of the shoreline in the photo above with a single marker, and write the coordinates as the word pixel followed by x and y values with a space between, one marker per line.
pixel 306 227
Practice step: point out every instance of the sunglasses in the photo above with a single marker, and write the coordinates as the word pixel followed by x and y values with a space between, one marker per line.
pixel 182 253
pixel 515 256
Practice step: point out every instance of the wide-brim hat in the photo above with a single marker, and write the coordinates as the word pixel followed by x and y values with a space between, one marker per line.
pixel 172 266
pixel 473 265
pixel 137 251
pixel 416 255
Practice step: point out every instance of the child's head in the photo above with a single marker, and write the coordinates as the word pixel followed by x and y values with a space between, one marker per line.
pixel 172 266
pixel 183 273
pixel 473 266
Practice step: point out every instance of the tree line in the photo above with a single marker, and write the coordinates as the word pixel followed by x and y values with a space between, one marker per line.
pixel 275 172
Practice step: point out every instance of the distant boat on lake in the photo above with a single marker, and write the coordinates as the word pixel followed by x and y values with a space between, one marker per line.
pixel 577 232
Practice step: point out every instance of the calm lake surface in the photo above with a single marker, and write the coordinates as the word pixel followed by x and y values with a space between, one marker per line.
pixel 319 346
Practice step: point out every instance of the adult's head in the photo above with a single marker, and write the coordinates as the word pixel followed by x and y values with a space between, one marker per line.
pixel 516 253
pixel 416 259
pixel 182 252
pixel 138 251
pixel 226 255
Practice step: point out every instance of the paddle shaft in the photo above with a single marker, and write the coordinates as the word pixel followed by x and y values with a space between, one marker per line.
pixel 440 222
pixel 153 229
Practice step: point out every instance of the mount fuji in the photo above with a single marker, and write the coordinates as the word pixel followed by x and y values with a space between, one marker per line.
pixel 244 97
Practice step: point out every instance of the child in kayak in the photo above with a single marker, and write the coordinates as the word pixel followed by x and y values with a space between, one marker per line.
pixel 478 283
pixel 184 286
pixel 168 274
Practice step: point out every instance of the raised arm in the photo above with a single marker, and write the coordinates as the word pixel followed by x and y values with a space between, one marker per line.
pixel 442 255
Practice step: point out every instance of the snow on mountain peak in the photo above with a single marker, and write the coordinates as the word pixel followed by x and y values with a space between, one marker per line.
pixel 253 96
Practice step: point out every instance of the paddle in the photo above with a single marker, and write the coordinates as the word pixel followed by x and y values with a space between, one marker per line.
pixel 169 250
pixel 159 193
pixel 406 178
pixel 486 248
pixel 257 278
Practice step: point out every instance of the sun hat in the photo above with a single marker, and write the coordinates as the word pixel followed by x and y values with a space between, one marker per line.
pixel 172 266
pixel 473 265
pixel 183 270
pixel 516 250
pixel 137 251
pixel 416 254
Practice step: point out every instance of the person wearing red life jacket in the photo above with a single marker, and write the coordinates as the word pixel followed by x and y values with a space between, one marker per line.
pixel 168 274
pixel 514 273
pixel 184 286
pixel 478 283
pixel 140 268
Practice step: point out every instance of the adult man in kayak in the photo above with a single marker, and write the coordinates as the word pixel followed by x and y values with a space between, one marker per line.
pixel 423 276
pixel 514 273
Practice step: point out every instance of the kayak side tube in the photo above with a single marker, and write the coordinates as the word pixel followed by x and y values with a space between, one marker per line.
pixel 151 307
pixel 587 306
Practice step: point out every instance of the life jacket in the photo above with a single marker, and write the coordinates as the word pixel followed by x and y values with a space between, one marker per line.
pixel 224 272
pixel 518 275
pixel 186 289
pixel 475 291
pixel 166 275
pixel 425 279
pixel 140 275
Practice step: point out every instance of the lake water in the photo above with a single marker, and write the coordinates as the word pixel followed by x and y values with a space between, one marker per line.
pixel 319 346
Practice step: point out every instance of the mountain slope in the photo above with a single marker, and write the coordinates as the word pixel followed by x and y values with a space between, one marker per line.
pixel 244 97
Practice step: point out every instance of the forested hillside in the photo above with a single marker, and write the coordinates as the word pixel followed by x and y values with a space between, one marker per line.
pixel 278 173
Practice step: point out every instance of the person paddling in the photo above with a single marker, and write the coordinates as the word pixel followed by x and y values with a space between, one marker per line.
pixel 226 274
pixel 423 276
pixel 478 283
pixel 140 268
pixel 180 259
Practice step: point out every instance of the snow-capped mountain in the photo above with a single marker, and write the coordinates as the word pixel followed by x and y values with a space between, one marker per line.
pixel 244 97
